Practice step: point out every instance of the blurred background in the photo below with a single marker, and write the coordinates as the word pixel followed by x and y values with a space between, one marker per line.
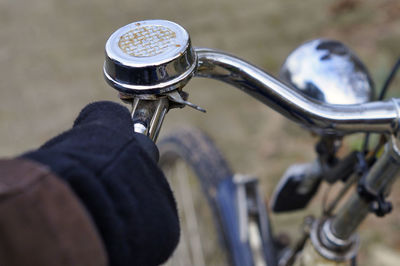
pixel 52 52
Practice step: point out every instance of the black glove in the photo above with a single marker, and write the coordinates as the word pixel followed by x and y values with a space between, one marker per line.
pixel 115 174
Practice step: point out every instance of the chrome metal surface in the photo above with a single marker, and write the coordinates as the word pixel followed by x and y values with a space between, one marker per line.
pixel 148 116
pixel 380 178
pixel 149 57
pixel 321 118
pixel 158 118
pixel 329 239
pixel 329 72
pixel 329 246
pixel 175 97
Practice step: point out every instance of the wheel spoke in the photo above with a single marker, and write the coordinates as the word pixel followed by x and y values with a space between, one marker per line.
pixel 190 215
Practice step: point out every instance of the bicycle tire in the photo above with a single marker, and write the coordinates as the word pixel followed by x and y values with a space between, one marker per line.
pixel 196 150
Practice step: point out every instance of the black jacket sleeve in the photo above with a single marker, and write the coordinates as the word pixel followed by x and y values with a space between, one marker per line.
pixel 114 172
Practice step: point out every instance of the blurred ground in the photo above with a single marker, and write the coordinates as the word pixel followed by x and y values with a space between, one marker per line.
pixel 51 55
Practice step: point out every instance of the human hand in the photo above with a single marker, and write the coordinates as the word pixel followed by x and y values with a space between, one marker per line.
pixel 114 173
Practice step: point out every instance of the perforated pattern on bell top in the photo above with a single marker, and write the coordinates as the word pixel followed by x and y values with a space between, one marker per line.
pixel 146 41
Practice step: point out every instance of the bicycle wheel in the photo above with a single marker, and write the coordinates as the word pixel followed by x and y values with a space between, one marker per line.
pixel 194 167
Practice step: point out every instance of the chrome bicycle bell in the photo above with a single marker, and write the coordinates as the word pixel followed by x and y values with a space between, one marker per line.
pixel 328 72
pixel 149 57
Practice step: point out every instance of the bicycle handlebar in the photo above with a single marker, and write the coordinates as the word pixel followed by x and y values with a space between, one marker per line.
pixel 379 117
pixel 154 59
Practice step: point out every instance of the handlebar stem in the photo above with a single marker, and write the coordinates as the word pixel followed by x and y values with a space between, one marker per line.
pixel 378 180
pixel 335 237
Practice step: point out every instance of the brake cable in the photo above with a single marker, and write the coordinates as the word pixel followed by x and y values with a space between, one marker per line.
pixel 382 95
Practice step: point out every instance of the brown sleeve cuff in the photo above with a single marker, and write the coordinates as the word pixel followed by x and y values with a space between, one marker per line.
pixel 42 222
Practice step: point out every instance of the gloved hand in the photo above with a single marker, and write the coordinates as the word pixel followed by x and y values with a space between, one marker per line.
pixel 114 173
